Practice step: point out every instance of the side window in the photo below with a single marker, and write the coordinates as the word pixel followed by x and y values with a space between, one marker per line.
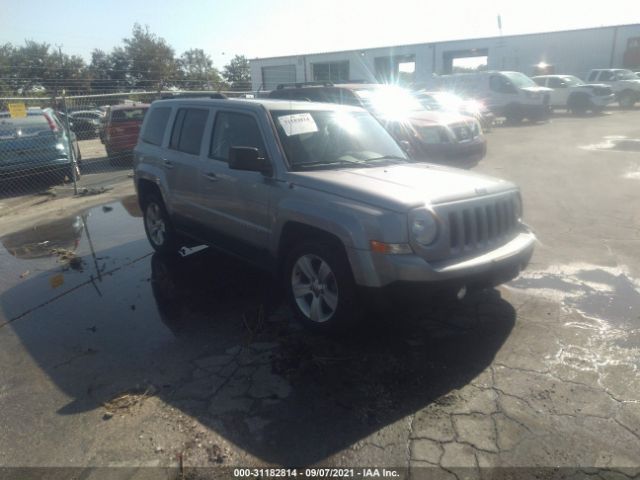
pixel 188 130
pixel 156 125
pixel 554 82
pixel 592 76
pixel 606 75
pixel 540 81
pixel 500 84
pixel 234 130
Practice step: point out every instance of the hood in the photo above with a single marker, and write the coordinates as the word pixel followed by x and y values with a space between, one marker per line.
pixel 599 85
pixel 401 187
pixel 437 118
pixel 537 89
pixel 428 118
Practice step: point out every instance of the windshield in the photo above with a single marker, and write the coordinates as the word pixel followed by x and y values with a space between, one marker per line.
pixel 330 139
pixel 625 75
pixel 520 80
pixel 572 81
pixel 389 101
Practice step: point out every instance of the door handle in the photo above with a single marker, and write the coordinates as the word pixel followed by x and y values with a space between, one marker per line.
pixel 167 163
pixel 212 177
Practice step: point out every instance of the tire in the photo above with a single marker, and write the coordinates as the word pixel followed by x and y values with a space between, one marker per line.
pixel 157 225
pixel 67 174
pixel 320 288
pixel 514 114
pixel 578 104
pixel 627 99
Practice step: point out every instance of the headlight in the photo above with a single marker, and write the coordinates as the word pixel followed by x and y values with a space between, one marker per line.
pixel 424 227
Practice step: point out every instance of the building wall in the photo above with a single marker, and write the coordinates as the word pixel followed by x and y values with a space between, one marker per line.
pixel 572 52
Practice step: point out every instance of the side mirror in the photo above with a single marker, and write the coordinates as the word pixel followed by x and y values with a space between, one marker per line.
pixel 249 159
pixel 563 85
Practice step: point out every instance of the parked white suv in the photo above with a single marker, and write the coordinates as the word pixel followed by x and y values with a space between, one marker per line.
pixel 624 83
pixel 573 94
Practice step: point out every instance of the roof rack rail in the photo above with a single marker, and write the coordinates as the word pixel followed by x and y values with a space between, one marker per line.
pixel 215 95
pixel 303 84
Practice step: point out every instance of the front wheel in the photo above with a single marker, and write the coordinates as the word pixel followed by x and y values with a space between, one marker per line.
pixel 627 99
pixel 157 225
pixel 320 286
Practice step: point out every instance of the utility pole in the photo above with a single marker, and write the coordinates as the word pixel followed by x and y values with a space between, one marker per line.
pixel 60 68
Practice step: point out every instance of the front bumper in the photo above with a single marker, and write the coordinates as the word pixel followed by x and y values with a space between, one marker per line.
pixel 31 168
pixel 603 101
pixel 380 270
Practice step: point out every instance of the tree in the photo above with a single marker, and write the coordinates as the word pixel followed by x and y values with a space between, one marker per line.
pixel 197 71
pixel 237 73
pixel 151 59
pixel 109 72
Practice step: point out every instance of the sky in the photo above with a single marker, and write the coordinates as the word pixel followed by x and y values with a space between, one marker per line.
pixel 255 28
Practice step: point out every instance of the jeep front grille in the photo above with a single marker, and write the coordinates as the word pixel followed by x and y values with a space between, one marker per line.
pixel 482 224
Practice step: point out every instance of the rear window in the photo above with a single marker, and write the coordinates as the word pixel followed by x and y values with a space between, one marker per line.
pixel 134 114
pixel 155 125
pixel 31 125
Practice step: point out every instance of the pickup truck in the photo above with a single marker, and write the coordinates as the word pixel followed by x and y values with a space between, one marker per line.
pixel 624 83
pixel 573 94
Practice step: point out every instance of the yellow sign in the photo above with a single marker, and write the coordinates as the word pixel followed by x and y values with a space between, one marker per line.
pixel 17 110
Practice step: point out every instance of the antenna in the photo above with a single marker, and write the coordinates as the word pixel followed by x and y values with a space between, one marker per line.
pixel 500 24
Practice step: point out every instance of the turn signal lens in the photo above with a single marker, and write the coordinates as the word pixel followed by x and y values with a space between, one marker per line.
pixel 390 248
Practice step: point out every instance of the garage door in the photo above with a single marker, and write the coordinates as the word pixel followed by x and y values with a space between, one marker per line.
pixel 272 76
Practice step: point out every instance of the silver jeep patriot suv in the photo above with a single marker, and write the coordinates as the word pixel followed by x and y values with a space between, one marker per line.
pixel 325 199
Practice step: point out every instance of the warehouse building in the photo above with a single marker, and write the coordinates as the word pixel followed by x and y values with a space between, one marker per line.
pixel 569 52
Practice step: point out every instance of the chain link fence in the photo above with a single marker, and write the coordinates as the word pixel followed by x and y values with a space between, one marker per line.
pixel 72 144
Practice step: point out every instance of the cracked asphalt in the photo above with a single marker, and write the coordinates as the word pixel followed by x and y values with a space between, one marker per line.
pixel 116 357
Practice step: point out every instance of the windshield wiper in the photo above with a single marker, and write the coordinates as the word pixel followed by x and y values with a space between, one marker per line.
pixel 342 162
pixel 389 157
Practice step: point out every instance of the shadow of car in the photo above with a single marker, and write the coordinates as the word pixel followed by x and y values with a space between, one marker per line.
pixel 206 331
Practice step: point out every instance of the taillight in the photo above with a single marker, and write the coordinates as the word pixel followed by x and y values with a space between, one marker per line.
pixel 52 124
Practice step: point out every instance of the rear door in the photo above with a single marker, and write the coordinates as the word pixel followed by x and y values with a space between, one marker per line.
pixel 182 161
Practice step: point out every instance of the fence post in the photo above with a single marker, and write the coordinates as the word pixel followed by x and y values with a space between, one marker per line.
pixel 72 157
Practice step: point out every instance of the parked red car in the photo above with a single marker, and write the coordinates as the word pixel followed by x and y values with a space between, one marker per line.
pixel 122 127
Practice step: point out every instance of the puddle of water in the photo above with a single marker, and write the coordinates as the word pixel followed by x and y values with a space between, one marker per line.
pixel 70 250
pixel 616 143
pixel 608 302
pixel 604 293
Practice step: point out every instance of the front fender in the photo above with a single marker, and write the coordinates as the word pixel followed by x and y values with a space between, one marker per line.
pixel 353 223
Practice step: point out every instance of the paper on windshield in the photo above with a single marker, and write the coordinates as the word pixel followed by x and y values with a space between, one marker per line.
pixel 298 124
